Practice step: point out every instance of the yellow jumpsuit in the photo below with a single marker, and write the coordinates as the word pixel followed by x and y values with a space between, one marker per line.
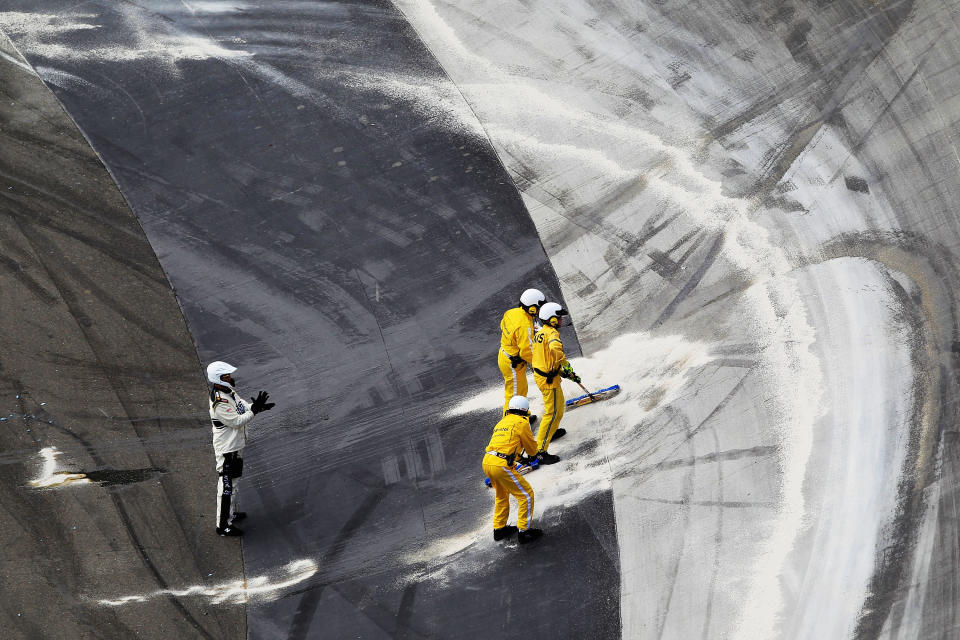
pixel 548 357
pixel 516 336
pixel 511 435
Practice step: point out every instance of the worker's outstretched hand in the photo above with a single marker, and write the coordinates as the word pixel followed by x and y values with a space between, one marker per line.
pixel 260 403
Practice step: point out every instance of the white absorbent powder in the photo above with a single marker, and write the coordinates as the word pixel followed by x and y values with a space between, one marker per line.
pixel 652 372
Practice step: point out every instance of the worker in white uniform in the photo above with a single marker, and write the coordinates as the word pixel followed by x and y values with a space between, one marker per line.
pixel 229 414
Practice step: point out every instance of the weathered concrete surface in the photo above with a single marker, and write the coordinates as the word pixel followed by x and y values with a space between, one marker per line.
pixel 335 223
pixel 770 189
pixel 96 361
pixel 749 206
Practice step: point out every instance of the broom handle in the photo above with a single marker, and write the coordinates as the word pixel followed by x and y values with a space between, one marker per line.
pixel 592 398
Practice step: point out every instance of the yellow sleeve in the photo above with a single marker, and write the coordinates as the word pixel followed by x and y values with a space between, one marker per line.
pixel 524 335
pixel 526 439
pixel 516 333
pixel 507 340
pixel 555 349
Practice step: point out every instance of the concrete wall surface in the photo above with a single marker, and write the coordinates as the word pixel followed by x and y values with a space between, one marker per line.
pixel 746 207
pixel 102 414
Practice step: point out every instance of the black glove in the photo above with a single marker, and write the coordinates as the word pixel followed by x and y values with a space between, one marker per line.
pixel 516 361
pixel 260 403
pixel 533 420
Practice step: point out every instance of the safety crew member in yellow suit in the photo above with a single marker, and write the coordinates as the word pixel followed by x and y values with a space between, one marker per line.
pixel 516 341
pixel 549 365
pixel 511 437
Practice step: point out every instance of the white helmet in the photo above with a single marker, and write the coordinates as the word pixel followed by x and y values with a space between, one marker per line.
pixel 217 369
pixel 552 310
pixel 519 403
pixel 530 301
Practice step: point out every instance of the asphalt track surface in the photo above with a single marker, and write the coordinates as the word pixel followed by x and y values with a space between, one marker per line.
pixel 748 208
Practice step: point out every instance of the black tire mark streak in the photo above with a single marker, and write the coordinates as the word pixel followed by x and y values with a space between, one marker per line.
pixel 91 216
pixel 113 250
pixel 16 269
pixel 688 489
pixel 692 283
pixel 891 563
pixel 934 407
pixel 719 456
pixel 391 623
pixel 66 294
pixel 720 406
pixel 48 420
pixel 109 300
pixel 717 538
pixel 303 618
pixel 226 254
pixel 30 521
pixel 405 613
pixel 859 144
pixel 723 504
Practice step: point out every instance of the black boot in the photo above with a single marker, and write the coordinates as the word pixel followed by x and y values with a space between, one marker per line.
pixel 229 531
pixel 547 458
pixel 530 535
pixel 504 532
pixel 559 433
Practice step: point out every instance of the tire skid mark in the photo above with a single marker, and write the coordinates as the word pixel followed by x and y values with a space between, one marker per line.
pixel 688 489
pixel 17 271
pixel 68 202
pixel 391 623
pixel 93 344
pixel 936 323
pixel 47 419
pixel 629 285
pixel 405 611
pixel 311 595
pixel 740 287
pixel 854 65
pixel 723 504
pixel 109 300
pixel 717 537
pixel 24 513
pixel 315 296
pixel 858 145
pixel 688 288
pixel 157 373
pixel 113 250
pixel 717 456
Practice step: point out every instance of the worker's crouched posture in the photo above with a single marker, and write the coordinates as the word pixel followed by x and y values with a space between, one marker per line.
pixel 511 437
pixel 229 415
pixel 516 341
